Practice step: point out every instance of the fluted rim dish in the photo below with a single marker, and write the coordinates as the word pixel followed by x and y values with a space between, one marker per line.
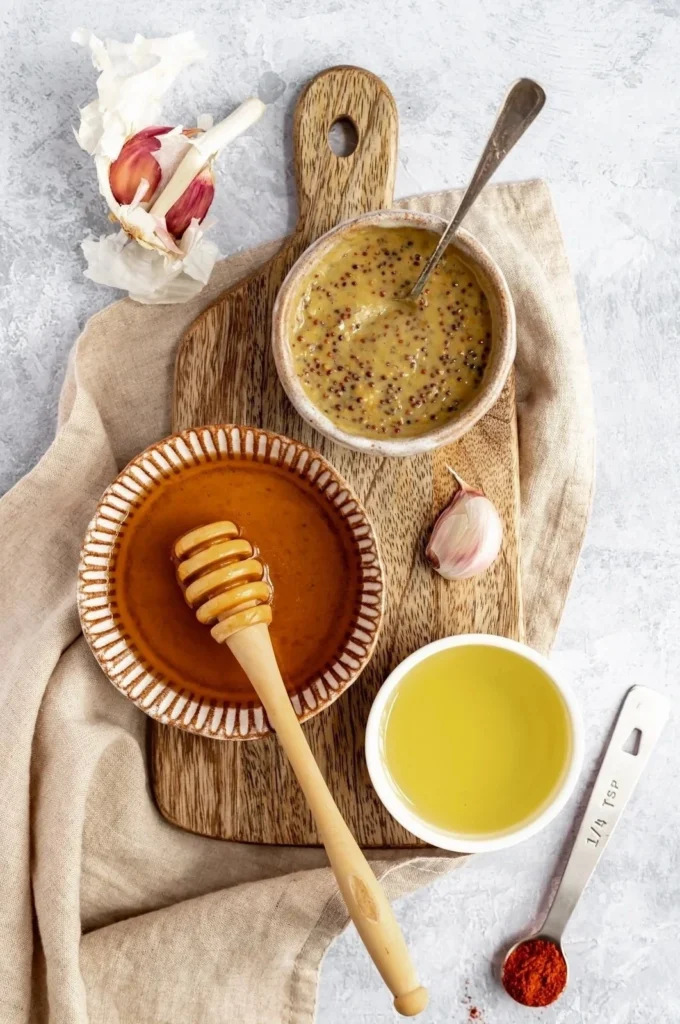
pixel 116 653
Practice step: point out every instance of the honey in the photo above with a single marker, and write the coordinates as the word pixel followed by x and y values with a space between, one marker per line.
pixel 310 553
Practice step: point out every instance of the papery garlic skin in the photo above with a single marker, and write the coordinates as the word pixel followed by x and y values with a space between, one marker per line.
pixel 149 276
pixel 144 259
pixel 133 80
pixel 467 536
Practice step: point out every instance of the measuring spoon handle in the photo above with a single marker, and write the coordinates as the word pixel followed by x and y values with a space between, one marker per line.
pixel 641 720
pixel 521 106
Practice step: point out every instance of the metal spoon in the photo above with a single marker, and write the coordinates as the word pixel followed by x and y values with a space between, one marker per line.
pixel 641 719
pixel 522 104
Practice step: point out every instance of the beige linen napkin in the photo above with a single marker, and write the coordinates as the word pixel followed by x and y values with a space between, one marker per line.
pixel 108 914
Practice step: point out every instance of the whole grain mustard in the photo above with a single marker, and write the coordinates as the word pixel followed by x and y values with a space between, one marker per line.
pixel 378 364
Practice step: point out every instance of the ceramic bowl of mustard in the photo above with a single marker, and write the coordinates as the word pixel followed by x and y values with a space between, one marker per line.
pixel 380 373
pixel 309 528
pixel 474 743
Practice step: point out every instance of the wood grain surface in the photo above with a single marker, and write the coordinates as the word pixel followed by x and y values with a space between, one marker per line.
pixel 225 373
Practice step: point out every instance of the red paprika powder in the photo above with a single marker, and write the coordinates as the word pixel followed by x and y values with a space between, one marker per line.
pixel 535 973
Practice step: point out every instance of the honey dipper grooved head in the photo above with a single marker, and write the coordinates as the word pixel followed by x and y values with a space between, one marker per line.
pixel 222 580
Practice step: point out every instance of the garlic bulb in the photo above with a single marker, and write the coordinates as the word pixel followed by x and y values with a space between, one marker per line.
pixel 157 181
pixel 467 536
pixel 153 156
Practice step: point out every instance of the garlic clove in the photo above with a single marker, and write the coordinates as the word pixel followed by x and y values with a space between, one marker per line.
pixel 193 204
pixel 467 536
pixel 134 162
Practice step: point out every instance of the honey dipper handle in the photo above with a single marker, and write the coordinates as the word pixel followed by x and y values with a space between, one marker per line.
pixel 366 901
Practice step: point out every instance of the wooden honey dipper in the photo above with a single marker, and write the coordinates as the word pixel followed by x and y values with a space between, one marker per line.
pixel 227 585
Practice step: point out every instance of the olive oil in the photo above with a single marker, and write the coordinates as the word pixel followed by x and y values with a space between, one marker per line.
pixel 476 740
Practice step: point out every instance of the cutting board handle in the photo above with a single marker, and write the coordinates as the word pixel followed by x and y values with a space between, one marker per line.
pixel 334 188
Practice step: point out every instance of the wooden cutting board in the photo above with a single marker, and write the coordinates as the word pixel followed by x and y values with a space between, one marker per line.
pixel 225 374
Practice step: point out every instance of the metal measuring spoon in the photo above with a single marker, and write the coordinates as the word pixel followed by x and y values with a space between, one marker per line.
pixel 522 104
pixel 641 719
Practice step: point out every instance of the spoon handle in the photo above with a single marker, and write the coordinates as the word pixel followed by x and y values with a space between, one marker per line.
pixel 522 105
pixel 641 719
pixel 365 898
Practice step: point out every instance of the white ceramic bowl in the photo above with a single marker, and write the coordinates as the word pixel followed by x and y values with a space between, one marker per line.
pixel 503 339
pixel 404 814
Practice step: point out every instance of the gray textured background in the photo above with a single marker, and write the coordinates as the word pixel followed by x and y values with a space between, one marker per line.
pixel 608 144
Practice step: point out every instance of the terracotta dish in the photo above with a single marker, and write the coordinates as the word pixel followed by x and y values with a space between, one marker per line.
pixel 308 527
pixel 498 362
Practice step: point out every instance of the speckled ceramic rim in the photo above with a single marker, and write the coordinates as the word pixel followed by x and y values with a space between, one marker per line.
pixel 117 656
pixel 387 792
pixel 503 339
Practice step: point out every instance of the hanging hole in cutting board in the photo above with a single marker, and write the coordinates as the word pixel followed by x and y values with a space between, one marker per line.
pixel 343 137
pixel 632 744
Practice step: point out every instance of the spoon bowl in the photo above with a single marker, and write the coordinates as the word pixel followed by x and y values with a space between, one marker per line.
pixel 540 936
